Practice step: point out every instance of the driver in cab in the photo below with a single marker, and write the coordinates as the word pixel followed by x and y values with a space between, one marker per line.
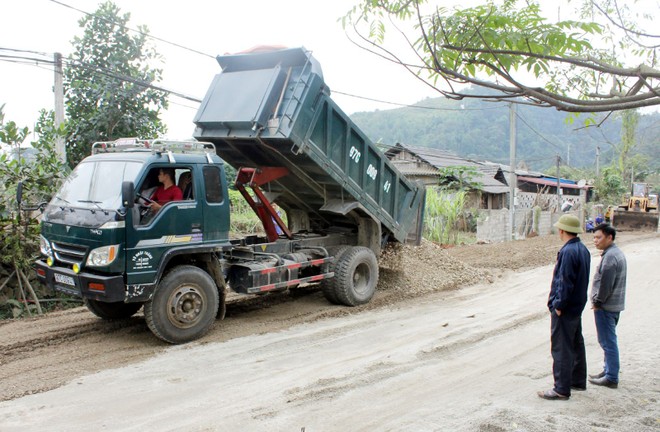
pixel 167 191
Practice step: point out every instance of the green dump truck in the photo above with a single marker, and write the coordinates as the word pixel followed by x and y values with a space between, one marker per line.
pixel 270 116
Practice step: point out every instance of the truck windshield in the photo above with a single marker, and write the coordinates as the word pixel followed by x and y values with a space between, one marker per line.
pixel 96 185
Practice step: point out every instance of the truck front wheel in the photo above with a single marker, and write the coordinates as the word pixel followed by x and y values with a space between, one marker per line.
pixel 356 276
pixel 112 311
pixel 184 305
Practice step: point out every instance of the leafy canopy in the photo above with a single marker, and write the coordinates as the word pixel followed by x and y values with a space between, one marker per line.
pixel 39 169
pixel 109 81
pixel 511 47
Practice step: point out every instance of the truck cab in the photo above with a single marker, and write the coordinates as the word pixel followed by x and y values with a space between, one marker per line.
pixel 101 241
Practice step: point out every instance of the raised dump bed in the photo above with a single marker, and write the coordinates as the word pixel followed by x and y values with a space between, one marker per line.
pixel 273 109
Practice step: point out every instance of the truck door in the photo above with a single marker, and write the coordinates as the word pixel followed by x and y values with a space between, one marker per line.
pixel 216 204
pixel 178 223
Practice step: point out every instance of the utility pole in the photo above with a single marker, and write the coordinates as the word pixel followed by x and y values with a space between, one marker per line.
pixel 632 176
pixel 568 154
pixel 58 89
pixel 558 185
pixel 597 162
pixel 512 170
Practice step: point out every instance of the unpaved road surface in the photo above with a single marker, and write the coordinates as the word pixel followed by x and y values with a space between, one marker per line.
pixel 454 341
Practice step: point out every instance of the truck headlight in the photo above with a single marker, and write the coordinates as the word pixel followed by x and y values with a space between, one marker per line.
pixel 44 246
pixel 102 256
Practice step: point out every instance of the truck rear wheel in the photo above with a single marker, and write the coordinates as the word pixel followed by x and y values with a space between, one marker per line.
pixel 328 285
pixel 112 311
pixel 356 276
pixel 184 305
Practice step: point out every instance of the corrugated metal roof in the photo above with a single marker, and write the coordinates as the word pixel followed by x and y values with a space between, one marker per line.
pixel 485 175
pixel 547 182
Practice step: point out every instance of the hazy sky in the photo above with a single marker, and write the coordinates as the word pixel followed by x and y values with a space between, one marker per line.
pixel 212 27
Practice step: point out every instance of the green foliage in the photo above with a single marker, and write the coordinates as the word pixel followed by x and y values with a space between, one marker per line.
pixel 40 173
pixel 459 178
pixel 610 187
pixel 443 209
pixel 630 120
pixel 513 47
pixel 108 84
pixel 479 130
pixel 230 176
pixel 481 39
pixel 243 219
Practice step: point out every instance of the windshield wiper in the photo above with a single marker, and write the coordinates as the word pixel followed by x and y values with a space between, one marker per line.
pixel 96 203
pixel 62 199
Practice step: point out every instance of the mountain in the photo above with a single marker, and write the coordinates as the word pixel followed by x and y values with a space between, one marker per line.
pixel 479 129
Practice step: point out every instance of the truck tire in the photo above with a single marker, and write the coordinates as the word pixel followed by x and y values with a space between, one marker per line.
pixel 328 285
pixel 112 311
pixel 184 305
pixel 356 276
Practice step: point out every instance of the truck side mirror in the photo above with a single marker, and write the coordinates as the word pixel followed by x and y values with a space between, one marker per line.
pixel 128 194
pixel 19 193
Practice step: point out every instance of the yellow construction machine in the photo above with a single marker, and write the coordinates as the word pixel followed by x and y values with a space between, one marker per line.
pixel 639 210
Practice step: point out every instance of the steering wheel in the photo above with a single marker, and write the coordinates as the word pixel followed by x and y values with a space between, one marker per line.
pixel 144 198
pixel 144 209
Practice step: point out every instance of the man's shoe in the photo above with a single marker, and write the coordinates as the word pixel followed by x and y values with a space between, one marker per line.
pixel 603 382
pixel 552 395
pixel 579 388
pixel 600 375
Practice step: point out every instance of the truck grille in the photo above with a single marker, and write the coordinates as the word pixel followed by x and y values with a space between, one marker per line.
pixel 69 253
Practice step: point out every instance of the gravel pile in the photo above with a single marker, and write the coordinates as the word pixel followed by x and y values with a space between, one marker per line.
pixel 415 270
pixel 516 255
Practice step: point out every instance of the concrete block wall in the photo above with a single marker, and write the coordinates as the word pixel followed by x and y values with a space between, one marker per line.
pixel 525 200
pixel 493 225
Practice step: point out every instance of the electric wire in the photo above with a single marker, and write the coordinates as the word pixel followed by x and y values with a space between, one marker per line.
pixel 417 106
pixel 123 78
pixel 538 133
pixel 33 61
pixel 136 30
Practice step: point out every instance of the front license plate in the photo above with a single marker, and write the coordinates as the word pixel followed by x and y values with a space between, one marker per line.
pixel 64 279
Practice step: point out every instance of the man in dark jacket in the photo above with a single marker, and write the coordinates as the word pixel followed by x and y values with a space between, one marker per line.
pixel 568 296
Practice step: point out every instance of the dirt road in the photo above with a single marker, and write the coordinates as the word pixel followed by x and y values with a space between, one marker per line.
pixel 431 352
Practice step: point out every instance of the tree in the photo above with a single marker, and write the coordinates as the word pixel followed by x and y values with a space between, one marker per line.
pixel 108 83
pixel 610 187
pixel 509 46
pixel 628 141
pixel 40 172
pixel 459 178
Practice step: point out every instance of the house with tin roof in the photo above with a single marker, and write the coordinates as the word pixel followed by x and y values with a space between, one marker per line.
pixel 487 185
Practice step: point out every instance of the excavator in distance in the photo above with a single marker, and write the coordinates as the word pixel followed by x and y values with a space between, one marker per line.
pixel 639 210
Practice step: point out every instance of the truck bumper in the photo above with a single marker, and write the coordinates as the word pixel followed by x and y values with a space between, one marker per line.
pixel 87 285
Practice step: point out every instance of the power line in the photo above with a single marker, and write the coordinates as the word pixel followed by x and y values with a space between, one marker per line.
pixel 539 134
pixel 33 61
pixel 212 56
pixel 108 72
pixel 134 30
pixel 126 78
pixel 24 51
pixel 413 106
pixel 104 71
